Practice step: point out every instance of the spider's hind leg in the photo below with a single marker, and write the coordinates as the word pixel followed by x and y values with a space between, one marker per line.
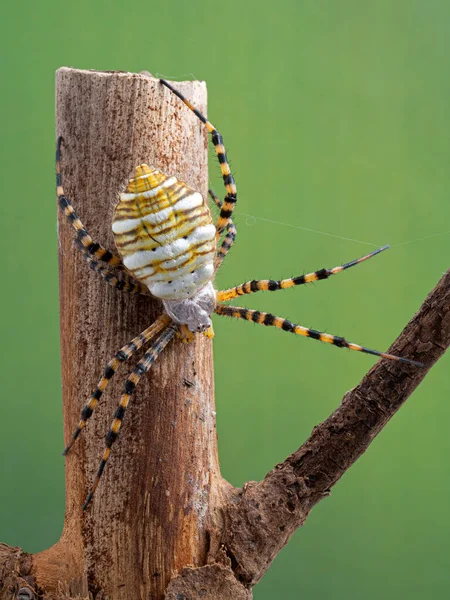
pixel 125 353
pixel 130 385
pixel 268 319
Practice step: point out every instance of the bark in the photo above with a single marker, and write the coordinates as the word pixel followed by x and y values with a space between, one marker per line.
pixel 163 522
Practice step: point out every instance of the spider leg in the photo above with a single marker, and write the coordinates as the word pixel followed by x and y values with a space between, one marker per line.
pixel 227 242
pixel 142 367
pixel 264 318
pixel 122 355
pixel 122 282
pixel 229 202
pixel 113 270
pixel 229 238
pixel 257 285
pixel 215 198
pixel 90 247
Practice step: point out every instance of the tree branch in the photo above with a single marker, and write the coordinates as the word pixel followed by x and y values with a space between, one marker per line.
pixel 260 521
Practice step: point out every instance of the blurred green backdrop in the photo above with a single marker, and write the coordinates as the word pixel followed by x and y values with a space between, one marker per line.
pixel 335 115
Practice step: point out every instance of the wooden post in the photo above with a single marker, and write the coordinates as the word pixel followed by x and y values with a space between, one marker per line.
pixel 147 519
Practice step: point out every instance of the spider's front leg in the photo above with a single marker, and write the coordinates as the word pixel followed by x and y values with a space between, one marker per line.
pixel 271 285
pixel 124 354
pixel 227 207
pixel 109 266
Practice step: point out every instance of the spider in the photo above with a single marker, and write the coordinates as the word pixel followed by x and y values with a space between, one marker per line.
pixel 169 248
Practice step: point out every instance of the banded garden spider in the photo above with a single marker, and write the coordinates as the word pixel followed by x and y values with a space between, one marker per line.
pixel 169 248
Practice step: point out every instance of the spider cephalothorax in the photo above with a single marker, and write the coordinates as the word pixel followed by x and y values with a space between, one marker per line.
pixel 170 248
pixel 194 312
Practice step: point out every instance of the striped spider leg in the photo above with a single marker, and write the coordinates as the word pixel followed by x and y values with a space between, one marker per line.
pixel 268 319
pixel 271 285
pixel 229 238
pixel 109 266
pixel 227 207
pixel 130 385
pixel 124 354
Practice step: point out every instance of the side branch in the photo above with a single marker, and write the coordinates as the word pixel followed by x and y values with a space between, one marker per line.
pixel 259 522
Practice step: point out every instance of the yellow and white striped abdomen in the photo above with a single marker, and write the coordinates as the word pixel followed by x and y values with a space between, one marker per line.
pixel 165 235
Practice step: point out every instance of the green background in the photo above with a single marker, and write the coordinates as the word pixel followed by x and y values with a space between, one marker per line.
pixel 336 118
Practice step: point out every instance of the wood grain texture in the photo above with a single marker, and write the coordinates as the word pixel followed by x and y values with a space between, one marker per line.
pixel 147 518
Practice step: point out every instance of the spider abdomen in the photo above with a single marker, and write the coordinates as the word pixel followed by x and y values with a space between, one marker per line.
pixel 165 235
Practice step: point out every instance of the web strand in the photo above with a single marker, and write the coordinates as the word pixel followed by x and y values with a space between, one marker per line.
pixel 340 237
pixel 425 237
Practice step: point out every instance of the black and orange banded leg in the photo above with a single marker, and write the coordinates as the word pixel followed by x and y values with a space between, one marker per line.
pixel 225 246
pixel 229 238
pixel 130 385
pixel 215 198
pixel 257 285
pixel 92 248
pixel 125 353
pixel 120 281
pixel 268 319
pixel 230 200
pixel 99 259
